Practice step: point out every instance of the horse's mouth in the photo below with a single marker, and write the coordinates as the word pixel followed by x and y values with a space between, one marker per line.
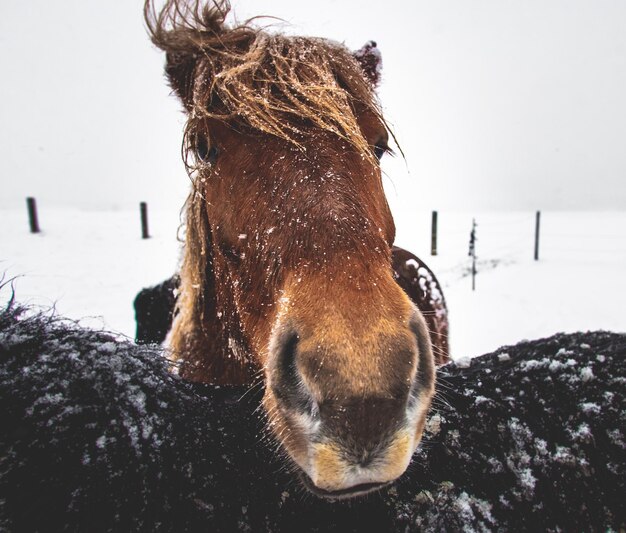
pixel 342 494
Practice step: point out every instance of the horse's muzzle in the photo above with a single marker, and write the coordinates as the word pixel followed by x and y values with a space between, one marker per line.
pixel 350 408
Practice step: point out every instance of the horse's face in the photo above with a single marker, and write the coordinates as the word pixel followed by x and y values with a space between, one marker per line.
pixel 303 238
pixel 286 130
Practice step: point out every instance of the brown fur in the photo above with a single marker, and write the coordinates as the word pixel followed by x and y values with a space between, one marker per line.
pixel 287 261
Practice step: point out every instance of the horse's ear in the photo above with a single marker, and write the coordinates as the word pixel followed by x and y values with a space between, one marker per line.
pixel 180 70
pixel 371 61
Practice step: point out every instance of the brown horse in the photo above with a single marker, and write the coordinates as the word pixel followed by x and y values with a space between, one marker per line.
pixel 287 263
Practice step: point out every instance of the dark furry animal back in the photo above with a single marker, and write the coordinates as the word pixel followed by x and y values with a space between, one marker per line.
pixel 97 435
pixel 154 311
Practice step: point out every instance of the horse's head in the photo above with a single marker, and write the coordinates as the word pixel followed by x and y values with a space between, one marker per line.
pixel 288 244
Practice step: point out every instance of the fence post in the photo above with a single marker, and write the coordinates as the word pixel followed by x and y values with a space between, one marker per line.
pixel 433 235
pixel 472 252
pixel 537 221
pixel 32 215
pixel 143 207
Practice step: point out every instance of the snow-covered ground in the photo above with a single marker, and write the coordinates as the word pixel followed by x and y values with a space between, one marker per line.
pixel 90 265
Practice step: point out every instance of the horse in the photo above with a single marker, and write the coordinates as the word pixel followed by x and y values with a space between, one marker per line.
pixel 286 274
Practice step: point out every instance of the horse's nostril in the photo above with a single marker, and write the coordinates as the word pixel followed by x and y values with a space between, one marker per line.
pixel 425 375
pixel 286 361
pixel 286 378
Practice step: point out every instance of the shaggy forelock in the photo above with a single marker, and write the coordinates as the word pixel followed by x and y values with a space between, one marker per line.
pixel 275 84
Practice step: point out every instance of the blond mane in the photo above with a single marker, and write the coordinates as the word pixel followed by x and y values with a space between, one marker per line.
pixel 273 83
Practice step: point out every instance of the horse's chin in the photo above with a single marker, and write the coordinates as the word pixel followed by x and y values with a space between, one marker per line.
pixel 311 459
pixel 343 494
pixel 299 470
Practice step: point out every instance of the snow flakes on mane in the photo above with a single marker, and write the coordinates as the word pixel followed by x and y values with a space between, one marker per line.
pixel 273 83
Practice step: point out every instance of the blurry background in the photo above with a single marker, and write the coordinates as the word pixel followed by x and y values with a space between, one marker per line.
pixel 502 108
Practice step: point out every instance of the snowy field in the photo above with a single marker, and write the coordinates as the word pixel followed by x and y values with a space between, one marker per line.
pixel 90 264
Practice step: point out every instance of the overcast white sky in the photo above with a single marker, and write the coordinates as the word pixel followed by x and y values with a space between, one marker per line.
pixel 498 104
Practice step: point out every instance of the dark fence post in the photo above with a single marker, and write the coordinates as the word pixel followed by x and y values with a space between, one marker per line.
pixel 472 252
pixel 433 235
pixel 143 207
pixel 537 221
pixel 32 215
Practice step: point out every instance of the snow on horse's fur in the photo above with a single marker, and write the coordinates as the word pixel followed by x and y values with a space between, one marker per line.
pixel 98 435
pixel 286 277
pixel 154 306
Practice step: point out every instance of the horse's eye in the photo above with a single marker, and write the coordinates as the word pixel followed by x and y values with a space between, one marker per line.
pixel 380 148
pixel 211 157
pixel 206 154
